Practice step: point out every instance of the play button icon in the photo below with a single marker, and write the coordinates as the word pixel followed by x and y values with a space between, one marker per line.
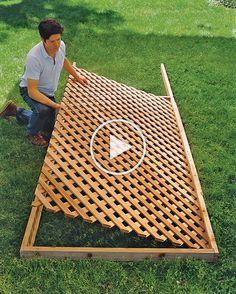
pixel 117 146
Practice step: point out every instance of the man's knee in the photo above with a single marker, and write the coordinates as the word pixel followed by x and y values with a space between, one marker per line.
pixel 44 111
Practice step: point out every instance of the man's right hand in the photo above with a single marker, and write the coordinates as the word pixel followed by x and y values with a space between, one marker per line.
pixel 40 97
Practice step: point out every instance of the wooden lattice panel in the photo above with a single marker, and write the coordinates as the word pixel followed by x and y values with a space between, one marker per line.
pixel 156 199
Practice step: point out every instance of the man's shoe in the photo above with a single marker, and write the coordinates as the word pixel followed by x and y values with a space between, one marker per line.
pixel 38 140
pixel 47 137
pixel 8 110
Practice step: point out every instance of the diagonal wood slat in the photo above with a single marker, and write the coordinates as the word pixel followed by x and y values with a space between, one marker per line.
pixel 157 199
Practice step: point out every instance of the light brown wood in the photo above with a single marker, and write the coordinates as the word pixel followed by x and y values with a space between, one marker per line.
pixel 145 203
pixel 118 254
pixel 32 227
pixel 28 250
pixel 191 164
pixel 162 198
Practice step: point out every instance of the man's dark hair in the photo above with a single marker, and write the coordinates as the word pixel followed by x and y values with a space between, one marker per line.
pixel 48 27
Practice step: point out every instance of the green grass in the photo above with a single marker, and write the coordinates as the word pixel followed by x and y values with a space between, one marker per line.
pixel 125 41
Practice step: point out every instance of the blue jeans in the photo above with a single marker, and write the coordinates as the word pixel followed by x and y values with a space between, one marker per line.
pixel 40 119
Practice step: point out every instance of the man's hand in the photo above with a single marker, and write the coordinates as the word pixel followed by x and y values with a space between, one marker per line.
pixel 59 107
pixel 82 80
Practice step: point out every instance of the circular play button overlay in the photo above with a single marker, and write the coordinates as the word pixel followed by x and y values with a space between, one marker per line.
pixel 118 146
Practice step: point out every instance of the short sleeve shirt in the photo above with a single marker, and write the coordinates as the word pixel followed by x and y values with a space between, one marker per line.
pixel 42 67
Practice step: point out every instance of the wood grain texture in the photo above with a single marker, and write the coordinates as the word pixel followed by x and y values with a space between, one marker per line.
pixel 162 198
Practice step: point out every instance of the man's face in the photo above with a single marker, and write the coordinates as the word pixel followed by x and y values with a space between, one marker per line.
pixel 53 43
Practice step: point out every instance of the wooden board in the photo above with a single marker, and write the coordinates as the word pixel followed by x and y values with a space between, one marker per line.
pixel 161 198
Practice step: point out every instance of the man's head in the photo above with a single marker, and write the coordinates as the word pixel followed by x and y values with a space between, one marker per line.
pixel 50 31
pixel 49 27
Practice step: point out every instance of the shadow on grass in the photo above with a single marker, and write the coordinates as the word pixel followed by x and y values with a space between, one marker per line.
pixel 77 233
pixel 28 13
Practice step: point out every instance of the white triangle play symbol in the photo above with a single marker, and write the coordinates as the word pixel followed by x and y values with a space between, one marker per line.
pixel 117 146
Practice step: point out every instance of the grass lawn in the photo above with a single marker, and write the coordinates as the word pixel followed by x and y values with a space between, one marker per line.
pixel 125 41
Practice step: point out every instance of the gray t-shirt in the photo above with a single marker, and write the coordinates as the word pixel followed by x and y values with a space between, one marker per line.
pixel 40 66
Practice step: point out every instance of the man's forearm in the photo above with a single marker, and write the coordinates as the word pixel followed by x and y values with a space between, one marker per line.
pixel 39 97
pixel 69 68
pixel 79 78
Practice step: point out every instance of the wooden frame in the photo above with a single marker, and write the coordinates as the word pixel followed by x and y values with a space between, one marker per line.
pixel 210 253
